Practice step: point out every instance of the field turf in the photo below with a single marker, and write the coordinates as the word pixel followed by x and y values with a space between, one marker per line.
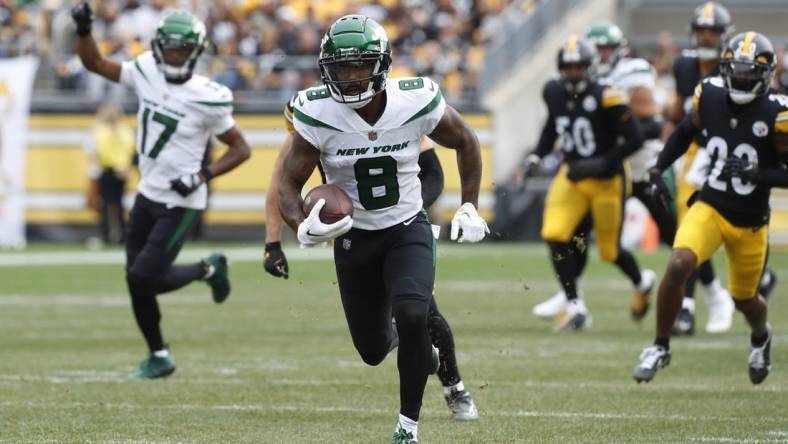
pixel 275 363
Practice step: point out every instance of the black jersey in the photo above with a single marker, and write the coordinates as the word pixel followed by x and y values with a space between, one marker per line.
pixel 742 131
pixel 589 124
pixel 686 71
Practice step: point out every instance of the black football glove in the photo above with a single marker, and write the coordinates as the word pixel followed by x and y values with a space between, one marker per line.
pixel 658 190
pixel 186 185
pixel 275 261
pixel 744 170
pixel 83 17
pixel 531 165
pixel 584 168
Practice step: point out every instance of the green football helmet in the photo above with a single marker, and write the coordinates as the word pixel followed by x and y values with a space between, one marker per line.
pixel 355 44
pixel 608 35
pixel 179 30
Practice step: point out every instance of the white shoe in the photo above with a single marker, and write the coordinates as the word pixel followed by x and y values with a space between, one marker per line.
pixel 551 307
pixel 721 308
pixel 574 316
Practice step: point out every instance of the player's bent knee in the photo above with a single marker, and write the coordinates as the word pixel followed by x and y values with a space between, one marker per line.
pixel 608 254
pixel 681 264
pixel 374 352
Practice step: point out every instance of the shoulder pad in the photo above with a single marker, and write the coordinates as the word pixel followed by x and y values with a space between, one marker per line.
pixel 781 119
pixel 612 96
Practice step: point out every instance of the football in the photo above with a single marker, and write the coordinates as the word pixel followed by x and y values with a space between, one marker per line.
pixel 338 203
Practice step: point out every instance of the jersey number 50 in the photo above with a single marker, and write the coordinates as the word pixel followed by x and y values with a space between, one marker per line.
pixel 718 150
pixel 581 136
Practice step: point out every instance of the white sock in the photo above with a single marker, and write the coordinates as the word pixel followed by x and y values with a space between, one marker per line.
pixel 408 425
pixel 458 387
pixel 714 288
pixel 689 304
pixel 163 353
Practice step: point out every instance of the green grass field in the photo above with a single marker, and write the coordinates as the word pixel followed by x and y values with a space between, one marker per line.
pixel 275 363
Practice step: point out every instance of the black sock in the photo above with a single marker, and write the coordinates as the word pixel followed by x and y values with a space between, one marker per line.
pixel 414 355
pixel 441 336
pixel 146 313
pixel 663 342
pixel 758 340
pixel 706 273
pixel 689 287
pixel 627 263
pixel 179 276
pixel 563 258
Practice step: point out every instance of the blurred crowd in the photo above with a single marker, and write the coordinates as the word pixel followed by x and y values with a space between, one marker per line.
pixel 262 45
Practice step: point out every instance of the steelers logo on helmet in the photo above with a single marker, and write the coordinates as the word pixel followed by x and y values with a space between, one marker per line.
pixel 748 66
pixel 710 26
pixel 355 56
pixel 179 41
pixel 577 61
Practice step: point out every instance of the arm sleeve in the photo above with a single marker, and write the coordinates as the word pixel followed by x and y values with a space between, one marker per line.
pixel 431 177
pixel 221 113
pixel 774 177
pixel 677 143
pixel 547 138
pixel 127 73
pixel 625 125
pixel 434 109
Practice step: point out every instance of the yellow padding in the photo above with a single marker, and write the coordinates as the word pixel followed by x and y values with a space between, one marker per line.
pixel 613 97
pixel 781 123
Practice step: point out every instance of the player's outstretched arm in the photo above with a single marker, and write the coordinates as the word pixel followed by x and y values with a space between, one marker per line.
pixel 273 218
pixel 86 46
pixel 274 259
pixel 453 132
pixel 298 164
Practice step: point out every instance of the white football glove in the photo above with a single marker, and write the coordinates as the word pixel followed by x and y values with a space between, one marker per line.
pixel 313 231
pixel 473 227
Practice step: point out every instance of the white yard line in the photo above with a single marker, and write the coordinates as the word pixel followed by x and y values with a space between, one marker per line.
pixel 363 410
pixel 240 254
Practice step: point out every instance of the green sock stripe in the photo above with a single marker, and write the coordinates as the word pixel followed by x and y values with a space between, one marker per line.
pixel 188 217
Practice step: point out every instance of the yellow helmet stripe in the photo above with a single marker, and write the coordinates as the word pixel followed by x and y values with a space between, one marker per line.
pixel 571 44
pixel 747 43
pixel 708 11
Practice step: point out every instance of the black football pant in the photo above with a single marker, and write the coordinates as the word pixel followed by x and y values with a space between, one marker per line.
pixel 383 273
pixel 155 236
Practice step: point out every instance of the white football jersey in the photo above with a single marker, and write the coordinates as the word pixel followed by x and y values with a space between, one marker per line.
pixel 175 123
pixel 376 165
pixel 628 74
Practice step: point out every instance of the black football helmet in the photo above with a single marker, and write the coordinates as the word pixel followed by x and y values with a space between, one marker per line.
pixel 710 15
pixel 748 66
pixel 576 51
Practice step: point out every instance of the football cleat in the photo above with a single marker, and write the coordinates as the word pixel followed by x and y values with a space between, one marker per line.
pixel 639 303
pixel 461 405
pixel 652 358
pixel 550 308
pixel 760 360
pixel 721 308
pixel 218 278
pixel 154 367
pixel 684 325
pixel 402 436
pixel 768 281
pixel 573 317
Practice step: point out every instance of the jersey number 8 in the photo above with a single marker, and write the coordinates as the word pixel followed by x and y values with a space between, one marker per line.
pixel 376 178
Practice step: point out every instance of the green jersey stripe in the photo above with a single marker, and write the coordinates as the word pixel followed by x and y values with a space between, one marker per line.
pixel 312 122
pixel 430 106
pixel 229 103
pixel 139 68
pixel 186 222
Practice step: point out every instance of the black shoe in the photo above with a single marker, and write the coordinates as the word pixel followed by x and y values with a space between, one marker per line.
pixel 760 361
pixel 684 325
pixel 768 282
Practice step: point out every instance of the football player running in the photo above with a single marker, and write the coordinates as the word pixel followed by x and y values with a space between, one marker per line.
pixel 456 396
pixel 710 26
pixel 178 113
pixel 636 77
pixel 744 128
pixel 598 132
pixel 365 131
